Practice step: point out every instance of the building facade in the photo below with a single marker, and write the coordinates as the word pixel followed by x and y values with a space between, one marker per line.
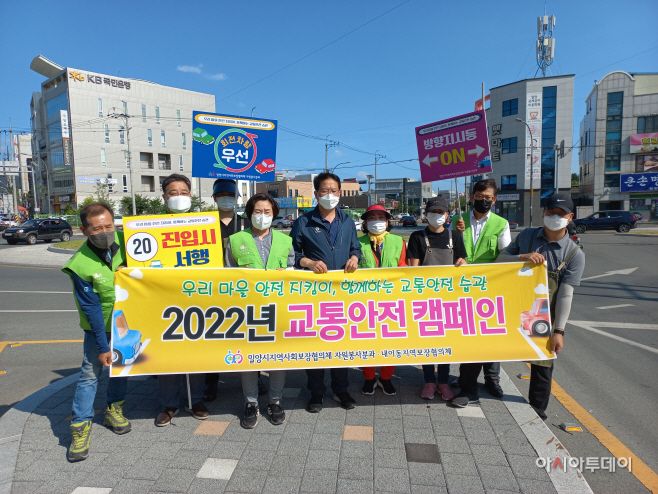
pixel 77 142
pixel 618 154
pixel 546 105
pixel 410 194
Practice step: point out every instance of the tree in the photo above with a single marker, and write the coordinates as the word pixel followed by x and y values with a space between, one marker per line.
pixel 88 200
pixel 575 180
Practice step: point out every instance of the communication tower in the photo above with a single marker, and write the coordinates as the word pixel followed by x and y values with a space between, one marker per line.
pixel 545 42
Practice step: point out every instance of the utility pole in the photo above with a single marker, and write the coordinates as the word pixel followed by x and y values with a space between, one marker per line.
pixel 126 119
pixel 13 178
pixel 327 145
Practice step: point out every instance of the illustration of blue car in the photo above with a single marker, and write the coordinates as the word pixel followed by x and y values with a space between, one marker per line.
pixel 126 342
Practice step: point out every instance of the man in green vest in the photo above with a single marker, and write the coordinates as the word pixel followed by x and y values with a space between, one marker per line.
pixel 485 235
pixel 92 272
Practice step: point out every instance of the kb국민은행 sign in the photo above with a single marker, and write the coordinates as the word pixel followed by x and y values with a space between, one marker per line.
pixel 456 147
pixel 185 240
pixel 207 320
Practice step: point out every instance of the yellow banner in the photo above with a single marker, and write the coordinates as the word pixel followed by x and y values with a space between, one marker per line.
pixel 185 240
pixel 169 321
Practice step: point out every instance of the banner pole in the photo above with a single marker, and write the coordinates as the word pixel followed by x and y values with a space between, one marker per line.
pixel 189 394
pixel 235 214
pixel 459 206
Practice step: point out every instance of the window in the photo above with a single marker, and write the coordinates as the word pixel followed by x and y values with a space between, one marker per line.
pixel 148 184
pixel 510 107
pixel 296 193
pixel 290 193
pixel 180 163
pixel 125 107
pixel 611 180
pixel 164 162
pixel 100 107
pixel 122 139
pixel 125 182
pixel 143 113
pixel 150 138
pixel 647 125
pixel 508 182
pixel 107 133
pixel 163 141
pixel 509 145
pixel 184 140
pixel 548 126
pixel 178 118
pixel 613 134
pixel 110 185
pixel 157 114
pixel 103 161
pixel 146 160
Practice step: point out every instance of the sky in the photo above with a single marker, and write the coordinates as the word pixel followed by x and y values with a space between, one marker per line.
pixel 363 73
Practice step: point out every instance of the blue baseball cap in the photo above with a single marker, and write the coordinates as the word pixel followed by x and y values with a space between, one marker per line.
pixel 224 185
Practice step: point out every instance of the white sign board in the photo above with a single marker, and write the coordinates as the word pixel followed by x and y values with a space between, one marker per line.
pixel 9 168
pixel 533 137
pixel 64 117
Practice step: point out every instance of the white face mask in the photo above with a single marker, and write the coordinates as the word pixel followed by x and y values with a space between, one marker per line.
pixel 261 221
pixel 329 201
pixel 555 222
pixel 436 219
pixel 226 203
pixel 377 226
pixel 179 204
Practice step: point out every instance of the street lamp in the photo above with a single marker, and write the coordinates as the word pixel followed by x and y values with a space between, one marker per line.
pixel 532 165
pixel 369 177
pixel 343 163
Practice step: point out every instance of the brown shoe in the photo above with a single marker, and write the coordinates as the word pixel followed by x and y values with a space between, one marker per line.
pixel 164 418
pixel 198 411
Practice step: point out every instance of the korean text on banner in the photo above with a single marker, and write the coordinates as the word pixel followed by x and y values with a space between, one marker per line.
pixel 174 240
pixel 453 148
pixel 532 142
pixel 206 320
pixel 233 147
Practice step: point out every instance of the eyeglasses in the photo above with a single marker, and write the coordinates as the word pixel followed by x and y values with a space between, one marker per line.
pixel 479 197
pixel 324 192
pixel 175 193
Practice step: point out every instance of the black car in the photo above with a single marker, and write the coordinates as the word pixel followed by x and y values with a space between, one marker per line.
pixel 622 221
pixel 46 229
pixel 408 221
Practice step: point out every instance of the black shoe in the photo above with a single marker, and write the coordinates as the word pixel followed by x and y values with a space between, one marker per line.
pixel 463 399
pixel 369 387
pixel 345 400
pixel 262 390
pixel 493 388
pixel 250 418
pixel 387 387
pixel 210 392
pixel 455 384
pixel 276 413
pixel 314 404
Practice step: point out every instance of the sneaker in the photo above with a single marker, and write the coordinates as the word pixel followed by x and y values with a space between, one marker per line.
pixel 198 411
pixel 81 439
pixel 276 413
pixel 314 404
pixel 250 418
pixel 493 388
pixel 445 392
pixel 428 391
pixel 463 399
pixel 262 390
pixel 345 400
pixel 114 418
pixel 369 387
pixel 387 387
pixel 164 418
pixel 210 393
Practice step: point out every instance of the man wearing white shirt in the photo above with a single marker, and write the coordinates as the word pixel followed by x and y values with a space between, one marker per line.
pixel 485 235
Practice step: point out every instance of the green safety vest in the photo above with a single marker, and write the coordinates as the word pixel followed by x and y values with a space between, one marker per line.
pixel 245 252
pixel 486 249
pixel 86 264
pixel 390 252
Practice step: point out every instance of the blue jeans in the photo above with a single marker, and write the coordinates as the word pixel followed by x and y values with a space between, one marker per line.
pixel 442 373
pixel 85 393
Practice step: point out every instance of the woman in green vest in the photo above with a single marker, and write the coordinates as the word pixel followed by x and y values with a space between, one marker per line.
pixel 380 249
pixel 260 247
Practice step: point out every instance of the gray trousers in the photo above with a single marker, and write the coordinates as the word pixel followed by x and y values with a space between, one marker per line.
pixel 250 385
pixel 168 389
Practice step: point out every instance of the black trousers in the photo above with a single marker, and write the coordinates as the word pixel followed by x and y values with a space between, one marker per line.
pixel 468 374
pixel 540 388
pixel 212 380
pixel 339 381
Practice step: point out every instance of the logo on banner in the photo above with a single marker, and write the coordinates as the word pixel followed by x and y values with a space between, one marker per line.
pixel 235 150
pixel 233 358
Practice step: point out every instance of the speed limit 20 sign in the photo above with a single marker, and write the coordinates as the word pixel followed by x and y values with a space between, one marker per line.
pixel 174 240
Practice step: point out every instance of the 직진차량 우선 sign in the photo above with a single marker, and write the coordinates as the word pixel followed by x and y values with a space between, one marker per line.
pixel 233 147
pixel 455 147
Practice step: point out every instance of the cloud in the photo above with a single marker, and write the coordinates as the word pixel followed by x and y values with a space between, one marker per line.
pixel 362 175
pixel 338 152
pixel 241 105
pixel 136 274
pixel 190 68
pixel 120 294
pixel 216 77
pixel 527 271
pixel 541 289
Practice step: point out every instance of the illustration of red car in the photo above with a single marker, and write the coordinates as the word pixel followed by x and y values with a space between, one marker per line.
pixel 535 322
pixel 266 166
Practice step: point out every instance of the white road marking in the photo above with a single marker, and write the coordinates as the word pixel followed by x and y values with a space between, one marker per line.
pixel 610 273
pixel 615 337
pixel 615 306
pixel 28 291
pixel 620 325
pixel 54 310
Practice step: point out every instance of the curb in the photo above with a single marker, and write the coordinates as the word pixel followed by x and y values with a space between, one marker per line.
pixel 637 235
pixel 12 424
pixel 57 250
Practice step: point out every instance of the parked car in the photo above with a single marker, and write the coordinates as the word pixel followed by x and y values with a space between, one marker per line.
pixel 126 342
pixel 118 222
pixel 513 225
pixel 534 322
pixel 46 229
pixel 408 221
pixel 359 225
pixel 281 222
pixel 622 221
pixel 7 221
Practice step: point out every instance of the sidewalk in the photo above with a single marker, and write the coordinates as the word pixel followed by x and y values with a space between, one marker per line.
pixel 400 443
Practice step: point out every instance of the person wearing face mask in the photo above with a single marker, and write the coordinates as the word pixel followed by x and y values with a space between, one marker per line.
pixel 176 194
pixel 224 194
pixel 485 235
pixel 325 239
pixel 380 249
pixel 260 247
pixel 92 270
pixel 436 246
pixel 565 262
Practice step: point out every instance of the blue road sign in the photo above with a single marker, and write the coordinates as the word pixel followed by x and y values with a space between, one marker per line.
pixel 230 146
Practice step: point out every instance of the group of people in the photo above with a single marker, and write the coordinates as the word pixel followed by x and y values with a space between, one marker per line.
pixel 324 239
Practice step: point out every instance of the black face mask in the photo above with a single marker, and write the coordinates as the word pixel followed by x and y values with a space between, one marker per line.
pixel 482 206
